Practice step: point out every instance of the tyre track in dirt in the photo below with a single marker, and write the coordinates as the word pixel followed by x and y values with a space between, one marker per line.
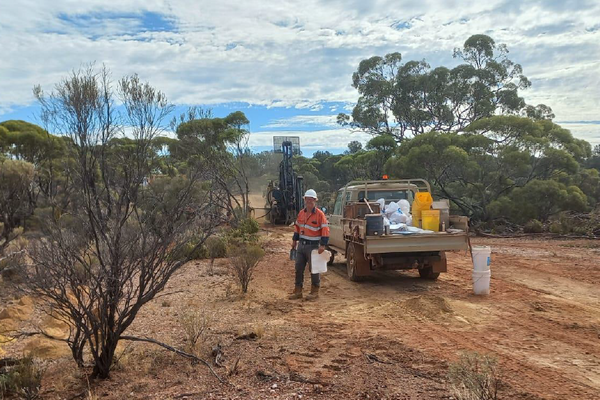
pixel 541 351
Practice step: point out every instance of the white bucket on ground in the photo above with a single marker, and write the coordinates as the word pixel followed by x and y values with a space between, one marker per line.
pixel 481 282
pixel 318 262
pixel 481 258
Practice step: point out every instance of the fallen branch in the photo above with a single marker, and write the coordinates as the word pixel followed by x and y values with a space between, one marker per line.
pixel 173 349
pixel 260 374
pixel 373 358
pixel 170 293
pixel 182 395
pixel 234 369
pixel 296 377
pixel 12 255
pixel 217 353
pixel 544 235
pixel 247 336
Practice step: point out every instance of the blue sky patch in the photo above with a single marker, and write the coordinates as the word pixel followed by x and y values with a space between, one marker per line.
pixel 401 25
pixel 94 24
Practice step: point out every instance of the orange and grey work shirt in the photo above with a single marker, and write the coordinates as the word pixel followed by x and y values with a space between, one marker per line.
pixel 312 226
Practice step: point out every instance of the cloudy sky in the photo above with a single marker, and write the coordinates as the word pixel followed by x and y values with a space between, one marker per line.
pixel 288 64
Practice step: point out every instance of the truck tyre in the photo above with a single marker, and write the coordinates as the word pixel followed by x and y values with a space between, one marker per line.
pixel 332 258
pixel 352 259
pixel 427 273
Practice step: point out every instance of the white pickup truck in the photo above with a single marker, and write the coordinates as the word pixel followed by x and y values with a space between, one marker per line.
pixel 367 253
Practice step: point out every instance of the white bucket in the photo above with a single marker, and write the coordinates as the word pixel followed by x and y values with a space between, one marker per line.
pixel 481 258
pixel 481 282
pixel 318 262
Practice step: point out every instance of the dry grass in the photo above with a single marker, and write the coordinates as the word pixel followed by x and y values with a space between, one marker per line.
pixel 259 329
pixel 90 394
pixel 196 323
pixel 474 377
pixel 70 377
pixel 23 380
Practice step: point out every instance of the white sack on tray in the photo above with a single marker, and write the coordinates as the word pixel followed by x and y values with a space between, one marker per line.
pixel 398 218
pixel 414 229
pixel 381 203
pixel 397 227
pixel 404 205
pixel 391 208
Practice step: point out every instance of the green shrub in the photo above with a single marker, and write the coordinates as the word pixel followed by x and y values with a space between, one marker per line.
pixel 533 226
pixel 13 259
pixel 196 324
pixel 193 252
pixel 249 226
pixel 244 260
pixel 216 247
pixel 556 227
pixel 567 223
pixel 581 230
pixel 245 232
pixel 190 251
pixel 544 199
pixel 23 380
pixel 585 224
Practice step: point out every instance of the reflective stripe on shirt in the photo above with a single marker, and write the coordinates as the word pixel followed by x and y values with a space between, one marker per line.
pixel 312 228
pixel 311 238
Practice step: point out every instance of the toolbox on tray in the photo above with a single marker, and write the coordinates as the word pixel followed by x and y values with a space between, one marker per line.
pixel 360 209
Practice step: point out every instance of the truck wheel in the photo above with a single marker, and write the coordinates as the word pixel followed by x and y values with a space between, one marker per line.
pixel 354 251
pixel 332 258
pixel 427 273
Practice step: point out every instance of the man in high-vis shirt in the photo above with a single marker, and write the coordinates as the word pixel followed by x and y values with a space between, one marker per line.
pixel 311 231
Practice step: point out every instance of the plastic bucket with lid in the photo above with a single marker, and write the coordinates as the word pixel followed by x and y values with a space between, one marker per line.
pixel 421 202
pixel 481 258
pixel 481 282
pixel 431 220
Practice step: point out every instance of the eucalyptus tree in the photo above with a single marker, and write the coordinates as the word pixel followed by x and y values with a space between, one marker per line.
pixel 491 159
pixel 122 237
pixel 410 98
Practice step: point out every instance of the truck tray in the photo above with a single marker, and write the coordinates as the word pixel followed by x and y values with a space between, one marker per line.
pixel 354 230
pixel 420 242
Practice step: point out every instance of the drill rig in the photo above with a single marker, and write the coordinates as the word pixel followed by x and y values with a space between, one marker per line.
pixel 284 199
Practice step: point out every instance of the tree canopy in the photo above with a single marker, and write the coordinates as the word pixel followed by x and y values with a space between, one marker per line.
pixel 410 98
pixel 493 158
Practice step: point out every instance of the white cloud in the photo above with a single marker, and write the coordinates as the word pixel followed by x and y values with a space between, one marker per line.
pixel 586 131
pixel 294 53
pixel 314 140
pixel 303 121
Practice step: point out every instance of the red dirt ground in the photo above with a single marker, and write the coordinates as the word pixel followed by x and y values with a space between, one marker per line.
pixel 390 337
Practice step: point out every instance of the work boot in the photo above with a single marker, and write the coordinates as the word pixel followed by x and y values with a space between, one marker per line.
pixel 297 294
pixel 314 293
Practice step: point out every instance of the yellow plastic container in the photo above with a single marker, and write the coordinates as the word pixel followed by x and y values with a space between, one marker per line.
pixel 421 203
pixel 424 199
pixel 431 220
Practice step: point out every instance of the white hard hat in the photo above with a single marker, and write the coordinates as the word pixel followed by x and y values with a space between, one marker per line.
pixel 311 193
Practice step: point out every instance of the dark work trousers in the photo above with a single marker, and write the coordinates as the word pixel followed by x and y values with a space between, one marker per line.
pixel 302 260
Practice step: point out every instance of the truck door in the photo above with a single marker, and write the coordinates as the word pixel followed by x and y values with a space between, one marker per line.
pixel 335 222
